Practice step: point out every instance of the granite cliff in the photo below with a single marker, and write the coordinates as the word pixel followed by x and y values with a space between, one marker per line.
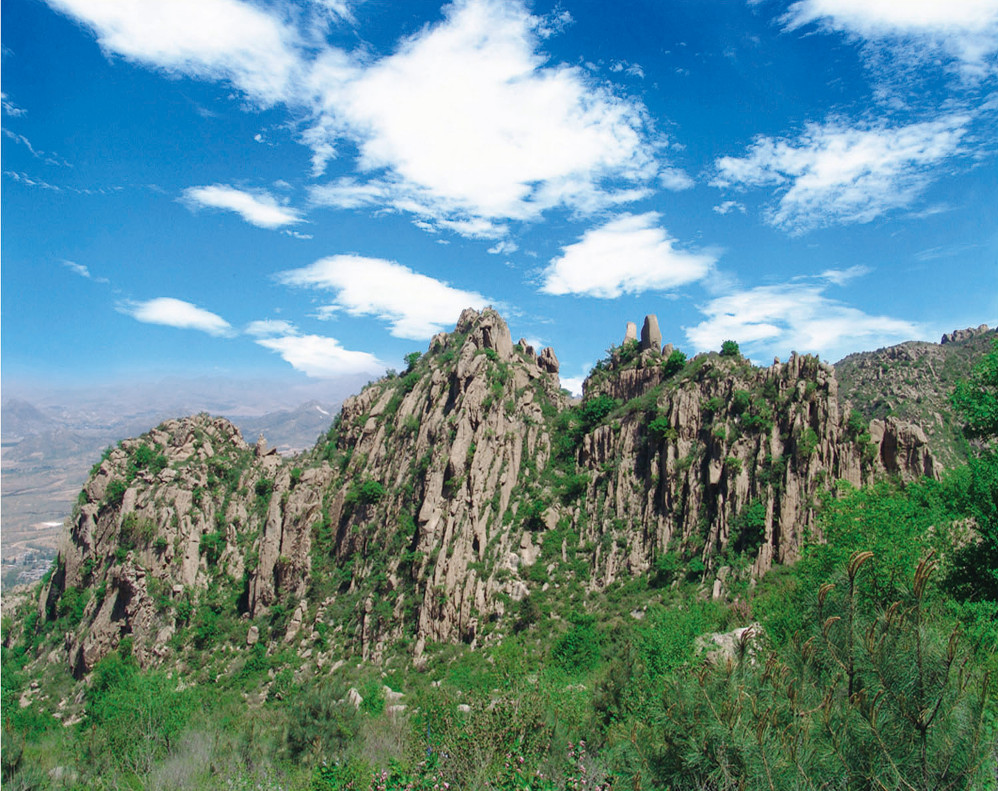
pixel 443 497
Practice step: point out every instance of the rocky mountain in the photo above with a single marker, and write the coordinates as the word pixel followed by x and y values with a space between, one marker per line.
pixel 913 381
pixel 443 501
pixel 48 451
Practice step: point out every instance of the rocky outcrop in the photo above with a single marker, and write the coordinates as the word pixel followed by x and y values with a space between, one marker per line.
pixel 651 335
pixel 958 336
pixel 442 496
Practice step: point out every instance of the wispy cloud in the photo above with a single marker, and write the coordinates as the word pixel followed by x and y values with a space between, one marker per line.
pixel 966 30
pixel 415 306
pixel 79 269
pixel 839 277
pixel 46 157
pixel 9 108
pixel 628 255
pixel 269 328
pixel 257 207
pixel 503 247
pixel 835 173
pixel 728 206
pixel 172 312
pixel 773 320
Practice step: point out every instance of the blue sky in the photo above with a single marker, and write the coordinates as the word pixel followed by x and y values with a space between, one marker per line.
pixel 309 191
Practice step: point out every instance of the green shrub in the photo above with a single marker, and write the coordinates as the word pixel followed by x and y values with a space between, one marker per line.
pixel 115 492
pixel 212 546
pixel 730 349
pixel 366 492
pixel 674 364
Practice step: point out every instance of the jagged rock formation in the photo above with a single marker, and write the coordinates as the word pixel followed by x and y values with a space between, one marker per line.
pixel 441 497
pixel 913 381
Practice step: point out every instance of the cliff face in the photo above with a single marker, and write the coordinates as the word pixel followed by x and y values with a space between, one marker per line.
pixel 441 497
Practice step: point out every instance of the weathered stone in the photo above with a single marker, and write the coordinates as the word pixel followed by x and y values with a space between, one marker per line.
pixel 651 335
pixel 547 361
pixel 963 335
pixel 252 635
pixel 631 332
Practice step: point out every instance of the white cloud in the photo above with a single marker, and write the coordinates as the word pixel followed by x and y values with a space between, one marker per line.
pixel 834 173
pixel 210 39
pixel 268 328
pixel 321 357
pixel 177 313
pixel 468 125
pixel 840 277
pixel 675 179
pixel 964 29
pixel 415 305
pixel 466 121
pixel 258 208
pixel 628 255
pixel 728 206
pixel 771 321
pixel 79 269
pixel 573 384
pixel 503 248
pixel 9 108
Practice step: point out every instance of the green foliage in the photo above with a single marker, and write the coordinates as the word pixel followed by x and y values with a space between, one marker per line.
pixel 212 545
pixel 325 723
pixel 662 430
pixel 593 411
pixel 133 718
pixel 411 359
pixel 976 398
pixel 366 492
pixel 748 529
pixel 149 458
pixel 115 492
pixel 741 400
pixel 578 650
pixel 730 349
pixel 864 698
pixel 674 363
pixel 136 531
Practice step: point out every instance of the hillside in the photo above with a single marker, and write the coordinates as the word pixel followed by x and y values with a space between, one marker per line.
pixel 464 527
pixel 442 497
pixel 913 381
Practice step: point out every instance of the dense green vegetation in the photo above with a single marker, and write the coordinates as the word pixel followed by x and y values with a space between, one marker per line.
pixel 868 664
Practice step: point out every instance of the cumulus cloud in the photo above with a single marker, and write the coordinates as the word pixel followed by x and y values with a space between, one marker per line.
pixel 258 207
pixel 966 30
pixel 172 312
pixel 628 255
pixel 466 124
pixel 467 120
pixel 774 320
pixel 321 357
pixel 834 173
pixel 416 306
pixel 210 39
